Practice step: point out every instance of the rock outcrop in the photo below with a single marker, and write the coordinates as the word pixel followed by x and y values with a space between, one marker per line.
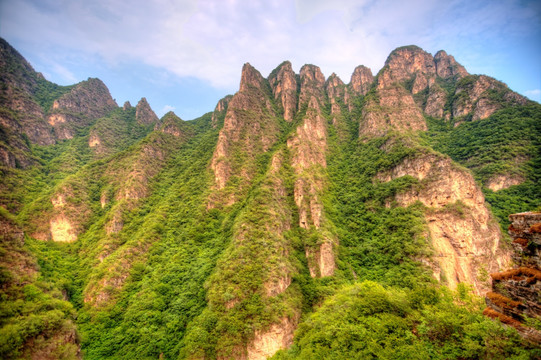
pixel 312 85
pixel 482 96
pixel 516 293
pixel 361 80
pixel 406 63
pixel 499 182
pixel 283 82
pixel 463 233
pixel 308 158
pixel 144 114
pixel 249 129
pixel 393 108
pixel 80 107
pixel 220 110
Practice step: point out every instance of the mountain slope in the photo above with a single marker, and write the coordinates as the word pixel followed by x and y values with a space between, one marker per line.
pixel 220 237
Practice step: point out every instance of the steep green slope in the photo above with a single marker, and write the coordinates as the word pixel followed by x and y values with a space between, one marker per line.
pixel 503 152
pixel 302 213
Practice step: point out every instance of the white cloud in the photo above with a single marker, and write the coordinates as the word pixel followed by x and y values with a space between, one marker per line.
pixel 211 39
pixel 166 109
pixel 534 94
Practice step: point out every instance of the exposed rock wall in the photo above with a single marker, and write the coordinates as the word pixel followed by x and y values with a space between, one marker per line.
pixel 393 108
pixel 482 96
pixel 283 82
pixel 308 157
pixel 144 114
pixel 463 233
pixel 220 110
pixel 312 85
pixel 249 129
pixel 361 80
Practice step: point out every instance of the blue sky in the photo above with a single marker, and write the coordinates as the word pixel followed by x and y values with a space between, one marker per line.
pixel 184 55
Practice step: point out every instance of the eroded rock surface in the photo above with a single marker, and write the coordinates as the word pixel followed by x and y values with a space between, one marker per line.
pixel 463 233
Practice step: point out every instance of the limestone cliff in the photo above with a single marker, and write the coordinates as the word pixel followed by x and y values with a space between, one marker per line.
pixel 308 158
pixel 361 80
pixel 312 85
pixel 283 82
pixel 392 108
pixel 80 107
pixel 220 110
pixel 339 97
pixel 481 96
pixel 463 233
pixel 248 130
pixel 144 113
pixel 447 67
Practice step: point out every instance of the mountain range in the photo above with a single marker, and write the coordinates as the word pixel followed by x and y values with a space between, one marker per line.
pixel 302 218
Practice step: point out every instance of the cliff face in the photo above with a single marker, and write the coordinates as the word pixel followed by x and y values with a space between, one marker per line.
pixel 86 102
pixel 144 113
pixel 464 235
pixel 283 82
pixel 248 130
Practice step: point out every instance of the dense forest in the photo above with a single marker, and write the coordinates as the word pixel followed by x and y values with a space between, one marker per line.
pixel 300 217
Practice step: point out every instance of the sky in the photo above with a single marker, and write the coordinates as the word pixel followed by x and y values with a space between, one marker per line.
pixel 185 55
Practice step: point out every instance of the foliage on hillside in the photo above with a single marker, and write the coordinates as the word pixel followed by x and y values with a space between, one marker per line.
pixel 369 321
pixel 507 143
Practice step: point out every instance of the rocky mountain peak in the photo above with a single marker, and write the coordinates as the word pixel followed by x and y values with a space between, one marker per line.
pixel 361 79
pixel 447 66
pixel 284 87
pixel 312 84
pixel 335 88
pixel 405 62
pixel 250 77
pixel 90 98
pixel 127 106
pixel 144 113
pixel 312 73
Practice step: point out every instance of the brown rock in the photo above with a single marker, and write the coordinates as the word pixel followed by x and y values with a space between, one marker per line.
pixel 405 62
pixel 250 77
pixel 361 80
pixel 392 109
pixel 435 102
pixel 220 110
pixel 312 85
pixel 283 82
pixel 90 98
pixel 267 342
pixel 144 115
pixel 503 181
pixel 461 228
pixel 447 67
pixel 515 292
pixel 249 128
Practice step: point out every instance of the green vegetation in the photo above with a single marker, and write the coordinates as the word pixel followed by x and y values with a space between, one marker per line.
pixel 167 266
pixel 369 321
pixel 508 143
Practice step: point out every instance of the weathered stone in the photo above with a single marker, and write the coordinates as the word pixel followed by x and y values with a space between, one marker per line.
pixel 361 80
pixel 447 67
pixel 284 88
pixel 144 114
